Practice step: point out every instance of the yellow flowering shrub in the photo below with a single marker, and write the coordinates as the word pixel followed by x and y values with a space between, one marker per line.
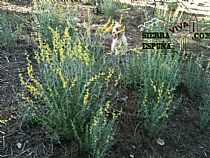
pixel 156 75
pixel 70 97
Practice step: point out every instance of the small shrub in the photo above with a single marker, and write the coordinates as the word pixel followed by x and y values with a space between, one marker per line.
pixel 194 77
pixel 173 6
pixel 156 67
pixel 156 111
pixel 134 70
pixel 101 133
pixel 155 77
pixel 171 14
pixel 204 110
pixel 110 8
pixel 49 14
pixel 71 96
pixel 9 31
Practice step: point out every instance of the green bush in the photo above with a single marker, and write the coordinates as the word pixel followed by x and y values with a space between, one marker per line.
pixel 155 77
pixel 204 110
pixel 173 6
pixel 156 112
pixel 9 31
pixel 194 77
pixel 71 96
pixel 110 8
pixel 51 14
pixel 147 67
pixel 134 74
pixel 101 134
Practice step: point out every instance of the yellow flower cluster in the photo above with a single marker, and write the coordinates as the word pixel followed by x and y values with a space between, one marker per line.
pixel 107 107
pixel 165 66
pixel 110 138
pixel 93 78
pixel 28 100
pixel 64 48
pixel 73 82
pixel 57 44
pixel 145 100
pixel 4 121
pixel 118 79
pixel 158 89
pixel 167 106
pixel 77 51
pixel 59 72
pixel 32 89
pixel 153 85
pixel 136 50
pixel 107 27
pixel 86 56
pixel 30 73
pixel 115 114
pixel 95 121
pixel 85 98
pixel 78 47
pixel 46 54
pixel 87 84
pixel 110 74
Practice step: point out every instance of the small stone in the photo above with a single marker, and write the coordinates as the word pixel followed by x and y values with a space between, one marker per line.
pixel 131 155
pixel 19 145
pixel 160 142
pixel 124 98
pixel 76 20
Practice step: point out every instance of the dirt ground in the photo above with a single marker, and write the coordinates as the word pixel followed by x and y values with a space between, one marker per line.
pixel 182 137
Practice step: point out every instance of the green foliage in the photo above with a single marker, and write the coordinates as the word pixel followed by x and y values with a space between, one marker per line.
pixel 156 112
pixel 173 6
pixel 194 77
pixel 9 31
pixel 158 74
pixel 101 134
pixel 49 14
pixel 110 8
pixel 71 96
pixel 148 67
pixel 197 82
pixel 134 71
pixel 204 110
